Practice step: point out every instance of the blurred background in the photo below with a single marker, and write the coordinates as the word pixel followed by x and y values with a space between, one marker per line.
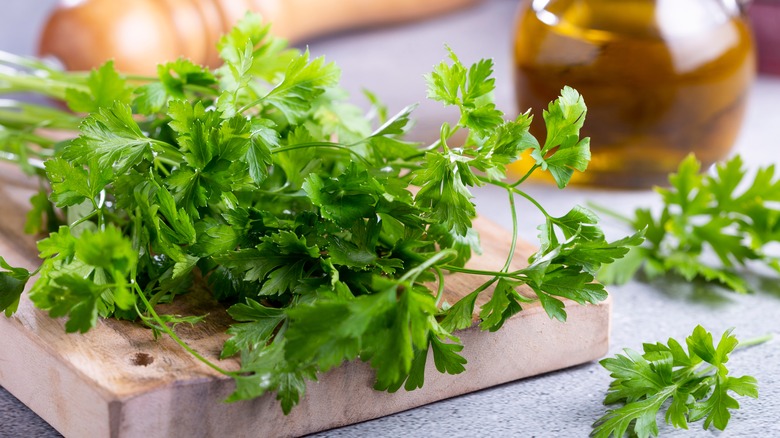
pixel 389 60
pixel 662 78
pixel 21 24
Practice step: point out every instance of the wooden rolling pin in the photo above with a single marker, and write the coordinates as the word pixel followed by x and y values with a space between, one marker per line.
pixel 139 34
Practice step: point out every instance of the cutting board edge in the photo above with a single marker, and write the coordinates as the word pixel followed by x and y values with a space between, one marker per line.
pixel 114 416
pixel 30 377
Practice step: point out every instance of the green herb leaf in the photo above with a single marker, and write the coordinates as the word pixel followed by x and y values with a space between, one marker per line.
pixel 111 137
pixel 722 214
pixel 644 382
pixel 563 152
pixel 105 85
pixel 12 283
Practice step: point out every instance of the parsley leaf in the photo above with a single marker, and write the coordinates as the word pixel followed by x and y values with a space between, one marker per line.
pixel 84 276
pixel 467 88
pixel 12 283
pixel 105 85
pixel 443 184
pixel 258 328
pixel 111 137
pixel 304 81
pixel 563 152
pixel 697 382
pixel 72 185
pixel 722 214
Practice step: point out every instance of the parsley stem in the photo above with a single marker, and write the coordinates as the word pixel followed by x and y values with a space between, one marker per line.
pixel 168 151
pixel 413 273
pixel 755 341
pixel 202 89
pixel 46 144
pixel 705 372
pixel 45 86
pixel 164 327
pixel 513 211
pixel 532 201
pixel 83 219
pixel 319 144
pixel 253 103
pixel 433 146
pixel 440 288
pixel 512 275
pixel 610 213
pixel 484 286
pixel 519 192
pixel 515 275
pixel 526 176
pixel 19 116
pixel 38 140
pixel 99 210
pixel 140 78
pixel 17 61
pixel 158 164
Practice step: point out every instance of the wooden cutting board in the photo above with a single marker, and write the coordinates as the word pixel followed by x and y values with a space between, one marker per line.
pixel 117 381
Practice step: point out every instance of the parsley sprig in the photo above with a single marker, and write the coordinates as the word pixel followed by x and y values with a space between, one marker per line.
pixel 722 215
pixel 324 235
pixel 697 382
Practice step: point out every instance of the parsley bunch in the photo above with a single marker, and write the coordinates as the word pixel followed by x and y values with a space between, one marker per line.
pixel 697 382
pixel 261 181
pixel 722 213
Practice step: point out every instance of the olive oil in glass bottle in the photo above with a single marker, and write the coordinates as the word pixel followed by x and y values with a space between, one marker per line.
pixel 661 78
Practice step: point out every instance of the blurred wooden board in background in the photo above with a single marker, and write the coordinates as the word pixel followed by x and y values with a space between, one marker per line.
pixel 117 381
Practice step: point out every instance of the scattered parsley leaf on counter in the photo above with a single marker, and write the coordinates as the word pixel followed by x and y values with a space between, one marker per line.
pixel 697 382
pixel 325 232
pixel 721 214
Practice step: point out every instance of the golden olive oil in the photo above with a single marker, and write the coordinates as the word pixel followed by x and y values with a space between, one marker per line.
pixel 661 78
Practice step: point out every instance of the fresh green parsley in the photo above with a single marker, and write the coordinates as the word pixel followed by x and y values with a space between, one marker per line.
pixel 697 382
pixel 320 228
pixel 722 214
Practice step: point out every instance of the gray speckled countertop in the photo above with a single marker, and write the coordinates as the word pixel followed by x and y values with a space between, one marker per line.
pixel 561 404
